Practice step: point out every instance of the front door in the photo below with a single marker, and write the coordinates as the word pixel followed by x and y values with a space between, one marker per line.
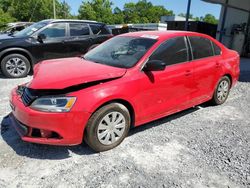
pixel 167 91
pixel 53 46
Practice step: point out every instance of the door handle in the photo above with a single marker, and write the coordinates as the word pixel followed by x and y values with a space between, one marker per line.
pixel 188 72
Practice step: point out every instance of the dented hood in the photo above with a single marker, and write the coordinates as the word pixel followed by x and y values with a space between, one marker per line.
pixel 64 73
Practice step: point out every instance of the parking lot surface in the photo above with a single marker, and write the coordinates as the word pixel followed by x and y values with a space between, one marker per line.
pixel 205 146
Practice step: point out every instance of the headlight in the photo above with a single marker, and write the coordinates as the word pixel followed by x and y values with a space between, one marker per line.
pixel 53 104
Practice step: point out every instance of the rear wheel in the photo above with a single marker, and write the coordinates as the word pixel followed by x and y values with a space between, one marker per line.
pixel 107 127
pixel 222 91
pixel 15 66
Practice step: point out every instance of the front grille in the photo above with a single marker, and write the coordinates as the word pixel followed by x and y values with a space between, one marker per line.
pixel 27 97
pixel 20 89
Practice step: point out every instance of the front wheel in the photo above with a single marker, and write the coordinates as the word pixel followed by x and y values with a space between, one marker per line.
pixel 107 127
pixel 15 66
pixel 222 91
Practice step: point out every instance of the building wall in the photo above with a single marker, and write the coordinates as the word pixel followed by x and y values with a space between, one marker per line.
pixel 234 16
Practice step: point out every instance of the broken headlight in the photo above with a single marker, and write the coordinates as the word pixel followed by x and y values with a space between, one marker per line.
pixel 53 104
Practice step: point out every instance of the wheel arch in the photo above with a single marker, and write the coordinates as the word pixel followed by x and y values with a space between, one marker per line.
pixel 230 78
pixel 20 51
pixel 124 102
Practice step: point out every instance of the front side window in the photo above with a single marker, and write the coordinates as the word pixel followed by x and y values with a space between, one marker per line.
pixel 172 51
pixel 55 30
pixel 122 52
pixel 201 47
pixel 77 29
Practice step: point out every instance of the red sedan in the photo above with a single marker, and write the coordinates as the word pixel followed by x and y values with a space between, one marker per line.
pixel 127 81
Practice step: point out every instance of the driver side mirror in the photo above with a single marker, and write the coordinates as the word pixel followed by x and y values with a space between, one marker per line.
pixel 154 65
pixel 41 37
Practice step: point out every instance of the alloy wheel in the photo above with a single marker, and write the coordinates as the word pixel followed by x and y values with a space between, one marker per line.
pixel 223 90
pixel 16 67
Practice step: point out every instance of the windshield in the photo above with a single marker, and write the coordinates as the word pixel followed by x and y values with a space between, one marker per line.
pixel 31 29
pixel 122 52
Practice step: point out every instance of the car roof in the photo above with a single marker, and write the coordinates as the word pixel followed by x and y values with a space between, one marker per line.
pixel 72 20
pixel 161 35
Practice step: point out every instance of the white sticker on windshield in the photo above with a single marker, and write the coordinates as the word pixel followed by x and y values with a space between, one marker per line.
pixel 150 36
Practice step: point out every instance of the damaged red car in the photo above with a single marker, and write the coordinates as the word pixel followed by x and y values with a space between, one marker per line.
pixel 125 82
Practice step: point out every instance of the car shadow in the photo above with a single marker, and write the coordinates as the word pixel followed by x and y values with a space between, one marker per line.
pixel 38 151
pixel 164 120
pixel 2 76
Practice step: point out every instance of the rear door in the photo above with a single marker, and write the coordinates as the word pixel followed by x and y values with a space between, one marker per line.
pixel 167 91
pixel 80 39
pixel 206 67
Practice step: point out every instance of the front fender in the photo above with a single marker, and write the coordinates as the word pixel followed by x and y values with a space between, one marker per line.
pixel 90 99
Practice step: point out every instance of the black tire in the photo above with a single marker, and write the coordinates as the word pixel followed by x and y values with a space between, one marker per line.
pixel 91 131
pixel 25 68
pixel 217 100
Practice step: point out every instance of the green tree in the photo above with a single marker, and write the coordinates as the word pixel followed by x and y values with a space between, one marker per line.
pixel 118 16
pixel 130 13
pixel 99 10
pixel 34 10
pixel 4 5
pixel 190 16
pixel 141 12
pixel 144 12
pixel 5 18
pixel 63 11
pixel 209 18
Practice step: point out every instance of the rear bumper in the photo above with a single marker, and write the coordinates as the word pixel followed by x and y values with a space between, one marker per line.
pixel 47 128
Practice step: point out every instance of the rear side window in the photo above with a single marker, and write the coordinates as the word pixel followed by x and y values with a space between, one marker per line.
pixel 78 29
pixel 201 47
pixel 217 50
pixel 98 29
pixel 172 51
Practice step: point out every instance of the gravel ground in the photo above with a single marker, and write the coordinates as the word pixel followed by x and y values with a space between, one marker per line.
pixel 206 146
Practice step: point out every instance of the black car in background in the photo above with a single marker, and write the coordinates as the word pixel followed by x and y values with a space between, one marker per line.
pixel 48 39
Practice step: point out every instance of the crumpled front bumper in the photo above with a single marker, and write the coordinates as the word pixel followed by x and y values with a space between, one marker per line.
pixel 46 127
